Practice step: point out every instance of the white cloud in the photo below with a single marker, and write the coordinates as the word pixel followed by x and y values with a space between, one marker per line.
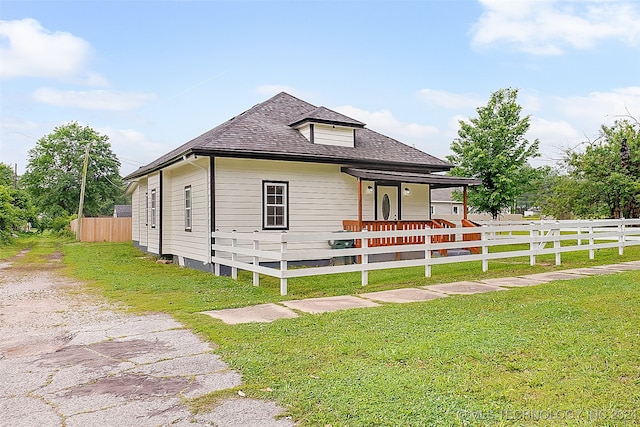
pixel 385 122
pixel 29 50
pixel 450 100
pixel 132 147
pixel 601 107
pixel 548 27
pixel 106 100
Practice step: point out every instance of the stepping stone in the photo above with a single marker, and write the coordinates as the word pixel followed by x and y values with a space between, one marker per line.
pixel 512 282
pixel 402 295
pixel 588 271
pixel 255 313
pixel 323 305
pixel 620 267
pixel 553 275
pixel 463 288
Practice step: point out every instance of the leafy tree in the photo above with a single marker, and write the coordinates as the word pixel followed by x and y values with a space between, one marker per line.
pixel 492 147
pixel 15 205
pixel 559 194
pixel 607 172
pixel 54 172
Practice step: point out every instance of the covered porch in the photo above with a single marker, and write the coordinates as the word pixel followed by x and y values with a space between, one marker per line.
pixel 384 221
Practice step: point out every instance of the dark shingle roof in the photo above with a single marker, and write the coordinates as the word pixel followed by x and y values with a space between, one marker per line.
pixel 324 115
pixel 122 211
pixel 264 132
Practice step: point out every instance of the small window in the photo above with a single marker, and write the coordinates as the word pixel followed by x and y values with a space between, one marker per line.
pixel 275 213
pixel 433 210
pixel 456 210
pixel 153 208
pixel 187 208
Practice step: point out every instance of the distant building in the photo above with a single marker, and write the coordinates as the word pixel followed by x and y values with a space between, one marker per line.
pixel 122 211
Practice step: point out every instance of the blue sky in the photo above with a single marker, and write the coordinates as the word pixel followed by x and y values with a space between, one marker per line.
pixel 154 74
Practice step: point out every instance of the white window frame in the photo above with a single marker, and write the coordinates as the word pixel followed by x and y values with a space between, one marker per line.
pixel 275 205
pixel 153 208
pixel 188 203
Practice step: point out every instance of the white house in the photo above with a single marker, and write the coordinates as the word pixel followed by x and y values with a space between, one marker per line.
pixel 284 164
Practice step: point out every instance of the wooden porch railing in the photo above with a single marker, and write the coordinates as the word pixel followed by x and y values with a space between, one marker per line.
pixel 355 225
pixel 471 237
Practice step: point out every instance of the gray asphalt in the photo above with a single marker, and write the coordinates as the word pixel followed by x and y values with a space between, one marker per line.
pixel 70 359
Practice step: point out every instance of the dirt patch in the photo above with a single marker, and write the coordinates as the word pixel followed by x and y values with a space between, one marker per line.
pixel 133 386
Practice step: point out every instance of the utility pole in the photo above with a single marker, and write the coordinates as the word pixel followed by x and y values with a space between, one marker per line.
pixel 84 181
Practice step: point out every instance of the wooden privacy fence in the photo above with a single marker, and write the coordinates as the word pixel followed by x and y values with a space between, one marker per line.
pixel 103 229
pixel 270 254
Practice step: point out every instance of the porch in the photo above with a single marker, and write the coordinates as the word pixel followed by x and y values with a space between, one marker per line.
pixel 433 224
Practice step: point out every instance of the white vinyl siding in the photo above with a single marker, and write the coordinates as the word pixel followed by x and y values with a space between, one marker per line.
pixel 306 131
pixel 320 196
pixel 177 239
pixel 139 213
pixel 415 205
pixel 153 229
pixel 333 135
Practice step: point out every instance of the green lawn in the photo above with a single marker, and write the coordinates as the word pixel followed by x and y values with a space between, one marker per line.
pixel 563 353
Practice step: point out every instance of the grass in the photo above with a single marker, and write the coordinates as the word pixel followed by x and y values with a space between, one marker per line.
pixel 563 353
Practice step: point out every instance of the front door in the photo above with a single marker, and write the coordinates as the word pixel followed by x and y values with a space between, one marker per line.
pixel 387 203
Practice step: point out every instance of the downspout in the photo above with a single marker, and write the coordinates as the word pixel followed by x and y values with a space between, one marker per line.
pixel 160 209
pixel 359 204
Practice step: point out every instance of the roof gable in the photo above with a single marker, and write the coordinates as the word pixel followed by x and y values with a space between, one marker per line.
pixel 264 131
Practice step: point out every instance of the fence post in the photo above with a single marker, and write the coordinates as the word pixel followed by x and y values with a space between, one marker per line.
pixel 533 233
pixel 621 230
pixel 579 233
pixel 234 256
pixel 256 259
pixel 556 243
pixel 485 250
pixel 592 251
pixel 427 255
pixel 283 264
pixel 216 266
pixel 365 260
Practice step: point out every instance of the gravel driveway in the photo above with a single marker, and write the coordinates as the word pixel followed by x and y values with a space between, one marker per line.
pixel 69 359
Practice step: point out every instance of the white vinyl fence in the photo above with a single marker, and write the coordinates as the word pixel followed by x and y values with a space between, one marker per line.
pixel 271 254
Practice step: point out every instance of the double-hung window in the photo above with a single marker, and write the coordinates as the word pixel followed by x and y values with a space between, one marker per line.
pixel 153 208
pixel 187 208
pixel 275 211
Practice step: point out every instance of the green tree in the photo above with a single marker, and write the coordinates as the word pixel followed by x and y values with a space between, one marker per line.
pixel 559 194
pixel 492 147
pixel 607 172
pixel 15 205
pixel 54 173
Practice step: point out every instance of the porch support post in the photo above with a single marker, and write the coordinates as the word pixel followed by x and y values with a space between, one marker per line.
pixel 464 201
pixel 359 204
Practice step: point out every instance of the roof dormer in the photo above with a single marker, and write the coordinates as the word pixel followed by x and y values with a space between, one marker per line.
pixel 327 127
